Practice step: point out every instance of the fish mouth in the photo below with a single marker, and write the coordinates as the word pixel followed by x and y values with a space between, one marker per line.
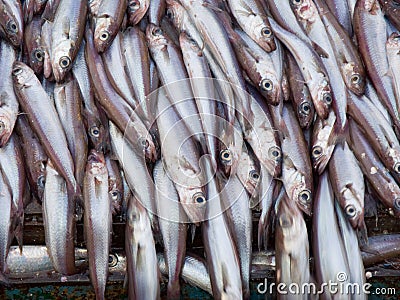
pixel 320 163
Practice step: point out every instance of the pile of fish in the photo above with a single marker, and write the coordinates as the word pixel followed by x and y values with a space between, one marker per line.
pixel 195 114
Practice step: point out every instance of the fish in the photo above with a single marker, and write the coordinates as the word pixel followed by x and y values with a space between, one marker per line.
pixel 391 10
pixel 291 246
pixel 249 173
pixel 31 8
pixel 7 226
pixel 301 99
pixel 34 156
pixel 142 267
pixel 9 106
pixel 312 69
pixel 393 50
pixel 115 184
pixel 97 220
pixel 107 21
pixel 252 18
pixel 11 24
pixel 348 186
pixel 68 103
pixel 384 185
pixel 173 224
pixel 59 226
pixel 66 35
pixel 238 214
pixel 136 10
pixel 156 11
pixel 93 124
pixel 381 248
pixel 43 118
pixel 32 44
pixel 341 11
pixel 327 238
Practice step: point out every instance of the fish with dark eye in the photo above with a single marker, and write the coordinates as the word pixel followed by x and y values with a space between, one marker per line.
pixel 386 188
pixel 252 18
pixel 107 22
pixel 249 173
pixel 348 184
pixel 11 22
pixel 136 10
pixel 323 142
pixel 301 98
pixel 32 44
pixel 43 118
pixel 97 220
pixel 115 184
pixel 8 101
pixel 66 36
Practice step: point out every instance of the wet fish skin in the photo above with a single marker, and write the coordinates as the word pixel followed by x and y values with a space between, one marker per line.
pixel 59 226
pixel 173 226
pixel 136 10
pixel 391 10
pixel 8 100
pixel 107 22
pixel 383 183
pixel 341 11
pixel 11 24
pixel 34 156
pixel 97 220
pixel 156 11
pixel 327 237
pixel 249 173
pixel 67 33
pixel 94 126
pixel 291 246
pixel 393 50
pixel 253 20
pixel 45 122
pixel 33 45
pixel 142 267
pixel 115 184
pixel 381 248
pixel 348 186
pixel 68 103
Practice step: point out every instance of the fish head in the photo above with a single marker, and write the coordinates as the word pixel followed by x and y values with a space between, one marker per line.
pixel 396 206
pixel 96 133
pixel 194 202
pixel 354 77
pixel 262 32
pixel 353 208
pixel 36 61
pixel 6 128
pixel 175 13
pixel 61 59
pixel 96 163
pixel 270 87
pixel 155 37
pixel 300 192
pixel 12 28
pixel 324 97
pixel 305 112
pixel 21 74
pixel 103 33
pixel 136 10
pixel 371 6
pixel 304 9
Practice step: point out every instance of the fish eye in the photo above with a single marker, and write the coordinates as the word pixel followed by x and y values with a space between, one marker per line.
pixel 17 71
pixel 12 27
pixel 114 195
pixel 65 62
pixel 275 153
pixel 170 13
pixel 355 79
pixel 157 31
pixel 112 260
pixel 327 98
pixel 397 203
pixel 2 126
pixel 104 36
pixel 199 198
pixel 397 168
pixel 226 156
pixel 266 32
pixel 38 55
pixel 134 5
pixel 95 132
pixel 144 143
pixel 350 210
pixel 317 151
pixel 41 181
pixel 305 196
pixel 297 2
pixel 254 175
pixel 305 108
pixel 266 85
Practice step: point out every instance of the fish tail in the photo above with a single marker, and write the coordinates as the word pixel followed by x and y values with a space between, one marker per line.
pixel 174 290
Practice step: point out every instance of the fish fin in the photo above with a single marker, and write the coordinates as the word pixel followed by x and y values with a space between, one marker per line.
pixel 320 51
pixel 66 26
